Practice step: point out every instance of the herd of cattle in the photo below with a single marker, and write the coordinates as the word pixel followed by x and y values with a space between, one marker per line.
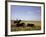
pixel 18 24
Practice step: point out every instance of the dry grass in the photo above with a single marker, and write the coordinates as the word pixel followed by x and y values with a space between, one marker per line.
pixel 36 27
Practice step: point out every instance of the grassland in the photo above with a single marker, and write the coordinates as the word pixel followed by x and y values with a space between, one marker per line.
pixel 36 27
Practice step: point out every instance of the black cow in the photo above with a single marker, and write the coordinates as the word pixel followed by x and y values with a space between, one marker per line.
pixel 20 24
pixel 30 25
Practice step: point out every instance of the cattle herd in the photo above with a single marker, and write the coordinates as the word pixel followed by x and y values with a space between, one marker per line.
pixel 18 24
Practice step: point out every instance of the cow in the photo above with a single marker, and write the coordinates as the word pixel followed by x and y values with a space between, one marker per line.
pixel 30 25
pixel 20 24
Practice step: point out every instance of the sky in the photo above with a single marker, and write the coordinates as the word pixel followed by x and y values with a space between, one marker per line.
pixel 32 13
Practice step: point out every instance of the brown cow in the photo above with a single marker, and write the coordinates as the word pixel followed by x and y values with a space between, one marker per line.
pixel 30 25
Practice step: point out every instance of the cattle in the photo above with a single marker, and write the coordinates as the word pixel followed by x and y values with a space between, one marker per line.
pixel 20 24
pixel 30 25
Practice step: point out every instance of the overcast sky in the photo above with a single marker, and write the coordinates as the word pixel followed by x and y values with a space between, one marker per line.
pixel 32 13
